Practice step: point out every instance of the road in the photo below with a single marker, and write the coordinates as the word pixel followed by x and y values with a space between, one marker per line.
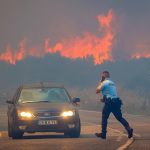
pixel 116 139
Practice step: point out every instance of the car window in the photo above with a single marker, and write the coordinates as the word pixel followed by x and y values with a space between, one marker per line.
pixel 54 95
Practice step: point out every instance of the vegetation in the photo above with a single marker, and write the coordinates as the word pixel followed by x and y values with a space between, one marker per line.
pixel 133 101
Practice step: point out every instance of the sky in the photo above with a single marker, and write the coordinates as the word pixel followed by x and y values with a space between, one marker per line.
pixel 104 30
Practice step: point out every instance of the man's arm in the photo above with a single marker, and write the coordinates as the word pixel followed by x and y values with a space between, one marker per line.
pixel 99 87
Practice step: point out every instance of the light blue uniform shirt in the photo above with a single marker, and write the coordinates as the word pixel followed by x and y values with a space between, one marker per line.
pixel 108 88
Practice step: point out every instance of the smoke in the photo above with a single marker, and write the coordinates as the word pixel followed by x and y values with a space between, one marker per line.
pixel 142 51
pixel 86 45
pixel 13 56
pixel 98 46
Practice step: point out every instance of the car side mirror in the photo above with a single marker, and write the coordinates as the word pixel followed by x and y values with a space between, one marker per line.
pixel 9 102
pixel 76 101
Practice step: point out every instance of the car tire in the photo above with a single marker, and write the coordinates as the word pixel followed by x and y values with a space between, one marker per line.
pixel 16 133
pixel 9 129
pixel 75 133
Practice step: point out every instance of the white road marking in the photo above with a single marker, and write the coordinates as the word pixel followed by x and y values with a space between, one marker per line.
pixel 121 134
pixel 135 134
pixel 115 130
pixel 126 145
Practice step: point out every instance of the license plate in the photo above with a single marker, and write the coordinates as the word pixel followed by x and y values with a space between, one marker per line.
pixel 47 122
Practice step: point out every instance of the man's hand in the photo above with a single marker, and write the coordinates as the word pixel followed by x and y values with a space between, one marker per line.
pixel 102 78
pixel 97 91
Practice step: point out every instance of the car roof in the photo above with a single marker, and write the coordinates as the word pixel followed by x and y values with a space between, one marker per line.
pixel 41 85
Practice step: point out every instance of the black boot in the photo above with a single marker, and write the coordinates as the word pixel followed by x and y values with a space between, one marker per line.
pixel 130 133
pixel 101 135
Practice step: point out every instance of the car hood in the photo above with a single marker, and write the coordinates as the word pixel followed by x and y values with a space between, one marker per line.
pixel 44 106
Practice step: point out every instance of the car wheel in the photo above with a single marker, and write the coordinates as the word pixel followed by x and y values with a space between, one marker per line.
pixel 16 133
pixel 75 133
pixel 9 129
pixel 66 133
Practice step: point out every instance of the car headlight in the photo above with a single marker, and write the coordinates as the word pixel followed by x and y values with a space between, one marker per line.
pixel 25 115
pixel 68 113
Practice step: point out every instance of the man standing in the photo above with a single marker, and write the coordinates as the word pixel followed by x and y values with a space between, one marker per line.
pixel 112 104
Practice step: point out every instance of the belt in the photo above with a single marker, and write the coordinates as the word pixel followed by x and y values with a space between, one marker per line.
pixel 112 97
pixel 116 100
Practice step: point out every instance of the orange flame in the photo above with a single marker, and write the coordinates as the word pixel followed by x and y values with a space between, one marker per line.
pixel 98 47
pixel 143 51
pixel 88 44
pixel 12 57
pixel 139 55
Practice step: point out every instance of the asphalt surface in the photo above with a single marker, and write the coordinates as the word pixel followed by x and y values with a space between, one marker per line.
pixel 90 120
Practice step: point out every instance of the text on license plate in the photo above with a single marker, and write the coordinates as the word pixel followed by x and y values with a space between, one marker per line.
pixel 47 122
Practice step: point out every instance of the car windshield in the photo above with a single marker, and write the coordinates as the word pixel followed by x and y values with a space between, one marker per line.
pixel 53 95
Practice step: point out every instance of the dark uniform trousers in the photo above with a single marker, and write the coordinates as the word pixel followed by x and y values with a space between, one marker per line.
pixel 113 106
